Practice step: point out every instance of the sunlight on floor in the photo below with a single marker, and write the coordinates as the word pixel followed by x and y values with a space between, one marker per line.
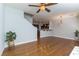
pixel 75 51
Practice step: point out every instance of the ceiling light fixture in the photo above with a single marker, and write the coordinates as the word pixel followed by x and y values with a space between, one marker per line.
pixel 42 7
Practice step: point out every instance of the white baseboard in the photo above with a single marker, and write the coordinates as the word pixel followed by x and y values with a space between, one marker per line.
pixel 65 37
pixel 24 42
pixel 21 43
pixel 59 37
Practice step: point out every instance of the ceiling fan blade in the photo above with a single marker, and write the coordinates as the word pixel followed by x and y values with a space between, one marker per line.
pixel 38 11
pixel 33 5
pixel 47 10
pixel 49 4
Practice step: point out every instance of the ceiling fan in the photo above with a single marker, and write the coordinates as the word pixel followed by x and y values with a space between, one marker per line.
pixel 42 6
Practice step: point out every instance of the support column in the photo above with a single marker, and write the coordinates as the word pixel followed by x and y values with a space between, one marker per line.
pixel 38 33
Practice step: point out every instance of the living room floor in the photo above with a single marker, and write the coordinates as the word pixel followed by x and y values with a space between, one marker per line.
pixel 48 46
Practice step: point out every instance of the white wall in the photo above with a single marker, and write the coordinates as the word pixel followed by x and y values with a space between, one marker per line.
pixel 15 21
pixel 65 29
pixel 1 29
pixel 45 33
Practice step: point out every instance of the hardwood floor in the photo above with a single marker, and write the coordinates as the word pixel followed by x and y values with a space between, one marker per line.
pixel 49 46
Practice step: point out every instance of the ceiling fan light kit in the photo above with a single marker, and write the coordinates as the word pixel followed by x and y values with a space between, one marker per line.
pixel 42 6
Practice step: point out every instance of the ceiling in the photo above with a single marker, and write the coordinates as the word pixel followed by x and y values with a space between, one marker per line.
pixel 60 8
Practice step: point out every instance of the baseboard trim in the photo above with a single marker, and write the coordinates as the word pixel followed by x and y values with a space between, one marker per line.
pixel 60 37
pixel 65 37
pixel 21 43
pixel 24 42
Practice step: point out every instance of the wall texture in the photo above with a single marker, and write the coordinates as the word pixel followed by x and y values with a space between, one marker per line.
pixel 15 21
pixel 65 29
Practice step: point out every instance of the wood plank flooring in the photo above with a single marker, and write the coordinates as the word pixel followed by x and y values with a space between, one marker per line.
pixel 48 46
